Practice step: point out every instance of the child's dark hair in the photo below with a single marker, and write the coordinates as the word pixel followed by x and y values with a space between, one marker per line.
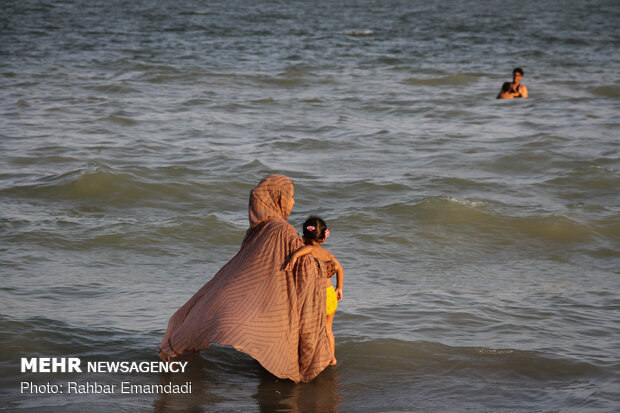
pixel 314 228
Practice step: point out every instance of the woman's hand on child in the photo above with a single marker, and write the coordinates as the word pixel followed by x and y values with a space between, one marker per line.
pixel 288 265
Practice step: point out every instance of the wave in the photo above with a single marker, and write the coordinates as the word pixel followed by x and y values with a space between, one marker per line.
pixel 460 79
pixel 46 336
pixel 83 210
pixel 120 119
pixel 590 177
pixel 101 183
pixel 42 335
pixel 608 91
pixel 357 33
pixel 401 357
pixel 417 372
pixel 196 13
pixel 292 76
pixel 488 220
pixel 157 236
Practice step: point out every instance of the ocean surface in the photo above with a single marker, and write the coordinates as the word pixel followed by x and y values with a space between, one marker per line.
pixel 480 238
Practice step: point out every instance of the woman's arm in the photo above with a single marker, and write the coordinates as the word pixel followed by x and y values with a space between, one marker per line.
pixel 288 265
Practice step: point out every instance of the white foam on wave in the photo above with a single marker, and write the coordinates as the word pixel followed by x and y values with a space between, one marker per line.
pixel 493 351
pixel 361 33
pixel 467 203
pixel 601 168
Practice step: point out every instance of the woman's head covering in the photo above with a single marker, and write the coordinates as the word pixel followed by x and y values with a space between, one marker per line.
pixel 269 199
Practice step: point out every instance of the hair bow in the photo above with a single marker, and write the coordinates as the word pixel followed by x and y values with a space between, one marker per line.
pixel 327 233
pixel 310 228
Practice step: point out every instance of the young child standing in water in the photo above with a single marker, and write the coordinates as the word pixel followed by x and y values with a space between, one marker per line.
pixel 315 232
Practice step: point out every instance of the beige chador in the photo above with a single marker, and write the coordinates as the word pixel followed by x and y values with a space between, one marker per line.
pixel 253 305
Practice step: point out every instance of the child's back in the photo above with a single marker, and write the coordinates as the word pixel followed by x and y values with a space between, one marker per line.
pixel 322 254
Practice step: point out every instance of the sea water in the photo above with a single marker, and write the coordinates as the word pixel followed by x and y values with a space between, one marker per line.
pixel 480 238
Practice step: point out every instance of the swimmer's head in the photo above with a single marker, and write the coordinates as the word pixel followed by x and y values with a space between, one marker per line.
pixel 517 75
pixel 315 229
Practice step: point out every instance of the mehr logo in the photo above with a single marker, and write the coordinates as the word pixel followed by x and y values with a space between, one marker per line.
pixel 51 365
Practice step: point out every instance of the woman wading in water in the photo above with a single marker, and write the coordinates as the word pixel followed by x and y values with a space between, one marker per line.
pixel 253 304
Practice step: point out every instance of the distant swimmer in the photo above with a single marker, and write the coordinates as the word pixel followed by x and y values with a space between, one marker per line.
pixel 516 89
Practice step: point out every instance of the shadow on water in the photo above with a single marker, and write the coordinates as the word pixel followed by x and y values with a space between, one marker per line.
pixel 223 379
pixel 320 395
